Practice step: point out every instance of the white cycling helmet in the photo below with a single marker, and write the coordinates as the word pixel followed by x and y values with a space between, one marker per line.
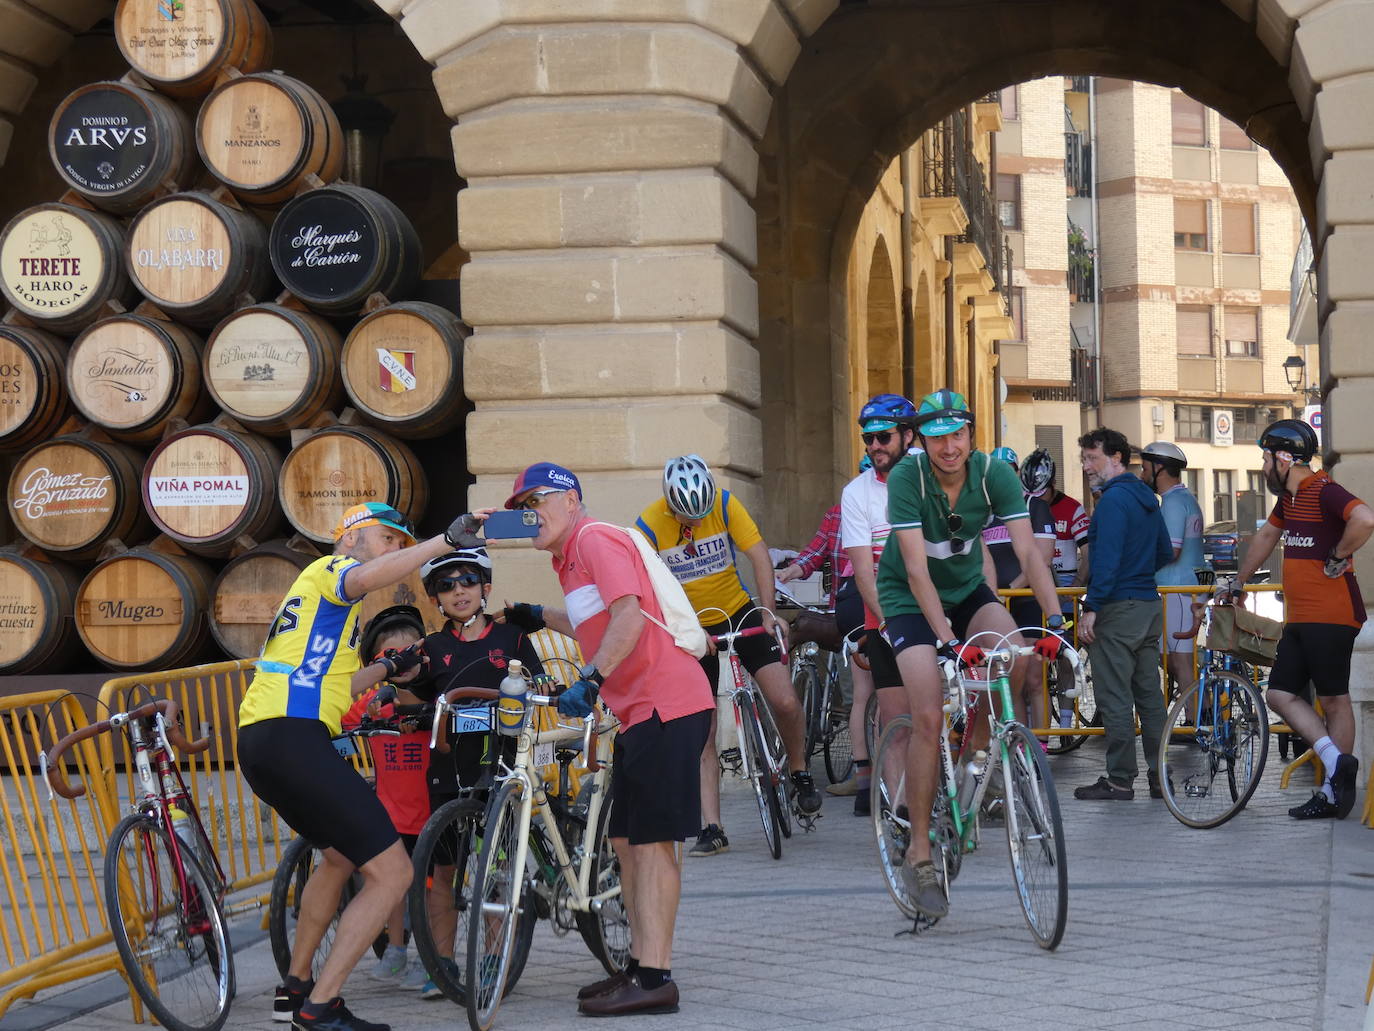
pixel 476 557
pixel 1166 453
pixel 688 487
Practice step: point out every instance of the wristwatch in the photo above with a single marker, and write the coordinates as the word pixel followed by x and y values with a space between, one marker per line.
pixel 590 672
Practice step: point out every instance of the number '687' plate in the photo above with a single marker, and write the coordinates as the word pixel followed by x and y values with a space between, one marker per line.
pixel 472 721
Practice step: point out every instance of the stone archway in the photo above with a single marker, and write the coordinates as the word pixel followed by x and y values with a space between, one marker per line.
pixel 882 343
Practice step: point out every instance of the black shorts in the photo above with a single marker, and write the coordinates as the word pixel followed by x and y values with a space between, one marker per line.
pixel 1313 653
pixel 1025 611
pixel 849 607
pixel 290 763
pixel 656 779
pixel 882 660
pixel 754 652
pixel 910 630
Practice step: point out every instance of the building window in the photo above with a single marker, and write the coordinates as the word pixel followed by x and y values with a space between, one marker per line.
pixel 1242 333
pixel 1237 228
pixel 1254 483
pixel 1232 136
pixel 1194 323
pixel 1192 479
pixel 1190 225
pixel 1018 312
pixel 1011 103
pixel 1248 422
pixel 1223 498
pixel 1009 201
pixel 1193 422
pixel 1190 121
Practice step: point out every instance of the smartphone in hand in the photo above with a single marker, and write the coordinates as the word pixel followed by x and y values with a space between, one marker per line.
pixel 505 525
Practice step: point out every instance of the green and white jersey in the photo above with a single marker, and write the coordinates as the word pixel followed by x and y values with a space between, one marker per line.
pixel 915 500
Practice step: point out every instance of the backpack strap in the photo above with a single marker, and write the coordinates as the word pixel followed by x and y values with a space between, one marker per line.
pixel 642 611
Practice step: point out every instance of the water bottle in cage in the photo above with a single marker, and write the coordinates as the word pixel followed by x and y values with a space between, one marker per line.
pixel 510 709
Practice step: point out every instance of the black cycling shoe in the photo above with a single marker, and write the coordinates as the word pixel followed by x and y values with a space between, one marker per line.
pixel 808 798
pixel 1315 808
pixel 290 997
pixel 336 1017
pixel 1344 785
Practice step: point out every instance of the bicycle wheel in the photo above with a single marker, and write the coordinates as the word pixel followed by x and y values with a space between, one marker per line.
pixel 892 832
pixel 498 891
pixel 1035 837
pixel 606 929
pixel 839 750
pixel 1212 752
pixel 1070 713
pixel 298 862
pixel 777 765
pixel 168 928
pixel 872 725
pixel 760 776
pixel 806 685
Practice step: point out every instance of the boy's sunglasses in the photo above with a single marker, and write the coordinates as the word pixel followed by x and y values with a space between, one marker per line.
pixel 448 583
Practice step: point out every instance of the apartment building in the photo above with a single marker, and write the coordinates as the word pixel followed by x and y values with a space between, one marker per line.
pixel 1152 244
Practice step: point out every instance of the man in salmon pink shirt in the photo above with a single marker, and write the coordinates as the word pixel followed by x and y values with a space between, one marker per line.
pixel 664 704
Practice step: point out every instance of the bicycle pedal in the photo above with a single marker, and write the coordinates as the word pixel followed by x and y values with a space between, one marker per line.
pixel 919 926
pixel 807 822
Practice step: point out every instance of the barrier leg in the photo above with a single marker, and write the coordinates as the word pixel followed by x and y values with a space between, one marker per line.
pixel 1309 756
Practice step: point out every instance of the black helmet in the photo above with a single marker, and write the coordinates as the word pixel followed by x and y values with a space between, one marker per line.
pixel 397 617
pixel 1037 472
pixel 1292 436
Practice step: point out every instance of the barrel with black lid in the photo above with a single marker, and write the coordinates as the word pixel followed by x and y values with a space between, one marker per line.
pixel 342 466
pixel 248 592
pixel 402 368
pixel 262 135
pixel 72 494
pixel 208 486
pixel 274 368
pixel 37 605
pixel 181 46
pixel 33 390
pixel 131 375
pixel 335 246
pixel 117 144
pixel 145 609
pixel 197 258
pixel 60 265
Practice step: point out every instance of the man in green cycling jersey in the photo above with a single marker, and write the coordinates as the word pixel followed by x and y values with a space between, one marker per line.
pixel 933 593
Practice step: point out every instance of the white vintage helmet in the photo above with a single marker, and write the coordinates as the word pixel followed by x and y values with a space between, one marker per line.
pixel 1166 453
pixel 689 487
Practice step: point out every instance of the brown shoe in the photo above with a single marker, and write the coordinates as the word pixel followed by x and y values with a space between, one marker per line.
pixel 631 998
pixel 606 984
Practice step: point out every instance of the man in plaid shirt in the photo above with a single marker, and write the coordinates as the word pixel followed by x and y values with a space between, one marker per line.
pixel 824 548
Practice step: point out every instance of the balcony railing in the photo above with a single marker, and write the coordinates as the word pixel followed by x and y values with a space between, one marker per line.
pixel 1079 83
pixel 949 169
pixel 1082 264
pixel 1078 164
pixel 1082 385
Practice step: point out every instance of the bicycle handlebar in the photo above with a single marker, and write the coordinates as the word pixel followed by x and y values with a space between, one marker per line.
pixel 165 707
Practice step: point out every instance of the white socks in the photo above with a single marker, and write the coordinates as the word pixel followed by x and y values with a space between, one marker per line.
pixel 1328 753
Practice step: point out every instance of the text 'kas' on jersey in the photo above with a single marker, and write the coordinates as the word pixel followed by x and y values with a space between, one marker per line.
pixel 1312 522
pixel 311 652
pixel 703 558
pixel 954 557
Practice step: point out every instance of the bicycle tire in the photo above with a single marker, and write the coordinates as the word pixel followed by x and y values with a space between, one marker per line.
pixel 891 836
pixel 777 766
pixel 806 686
pixel 298 861
pixel 167 945
pixel 872 725
pixel 606 930
pixel 1082 712
pixel 760 778
pixel 498 891
pixel 1035 838
pixel 839 749
pixel 1192 756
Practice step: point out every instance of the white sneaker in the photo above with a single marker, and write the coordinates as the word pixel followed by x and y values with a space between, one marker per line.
pixel 391 966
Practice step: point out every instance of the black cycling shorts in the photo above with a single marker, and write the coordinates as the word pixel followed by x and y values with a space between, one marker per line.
pixel 882 660
pixel 1313 653
pixel 656 779
pixel 754 652
pixel 849 607
pixel 290 763
pixel 1025 611
pixel 909 630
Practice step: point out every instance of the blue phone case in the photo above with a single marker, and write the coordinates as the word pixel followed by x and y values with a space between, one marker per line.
pixel 508 524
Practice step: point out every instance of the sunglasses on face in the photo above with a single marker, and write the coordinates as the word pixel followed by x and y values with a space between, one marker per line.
pixel 392 516
pixel 536 499
pixel 448 583
pixel 881 438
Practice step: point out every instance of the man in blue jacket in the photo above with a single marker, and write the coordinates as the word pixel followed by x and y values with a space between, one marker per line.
pixel 1122 617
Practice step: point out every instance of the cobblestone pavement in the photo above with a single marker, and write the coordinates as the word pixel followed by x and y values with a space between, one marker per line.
pixel 1263 922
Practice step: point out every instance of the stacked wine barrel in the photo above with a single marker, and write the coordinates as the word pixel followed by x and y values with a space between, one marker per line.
pixel 211 343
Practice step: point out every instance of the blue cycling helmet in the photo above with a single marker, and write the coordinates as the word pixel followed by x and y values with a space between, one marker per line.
pixel 942 413
pixel 1007 455
pixel 886 412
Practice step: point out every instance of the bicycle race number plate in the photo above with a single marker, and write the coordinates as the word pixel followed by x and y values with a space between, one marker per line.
pixel 346 747
pixel 472 721
pixel 543 754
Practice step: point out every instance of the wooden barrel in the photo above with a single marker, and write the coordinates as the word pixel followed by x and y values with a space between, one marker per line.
pixel 180 46
pixel 130 375
pixel 206 487
pixel 197 258
pixel 60 265
pixel 247 593
pixel 336 246
pixel 37 605
pixel 273 368
pixel 342 466
pixel 402 368
pixel 262 135
pixel 145 609
pixel 71 495
pixel 33 389
pixel 116 144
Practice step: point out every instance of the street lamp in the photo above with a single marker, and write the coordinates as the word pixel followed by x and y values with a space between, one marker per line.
pixel 1295 372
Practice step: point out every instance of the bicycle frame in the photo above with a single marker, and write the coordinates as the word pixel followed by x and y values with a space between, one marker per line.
pixel 737 687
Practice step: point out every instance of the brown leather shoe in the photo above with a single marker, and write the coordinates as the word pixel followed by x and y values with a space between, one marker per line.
pixel 606 984
pixel 631 998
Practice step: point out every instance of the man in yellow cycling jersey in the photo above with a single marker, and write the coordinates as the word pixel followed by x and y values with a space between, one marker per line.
pixel 698 531
pixel 287 717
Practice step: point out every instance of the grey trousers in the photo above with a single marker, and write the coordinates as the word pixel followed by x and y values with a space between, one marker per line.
pixel 1125 667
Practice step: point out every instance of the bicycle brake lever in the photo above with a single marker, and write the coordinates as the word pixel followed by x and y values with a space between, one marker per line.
pixel 434 728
